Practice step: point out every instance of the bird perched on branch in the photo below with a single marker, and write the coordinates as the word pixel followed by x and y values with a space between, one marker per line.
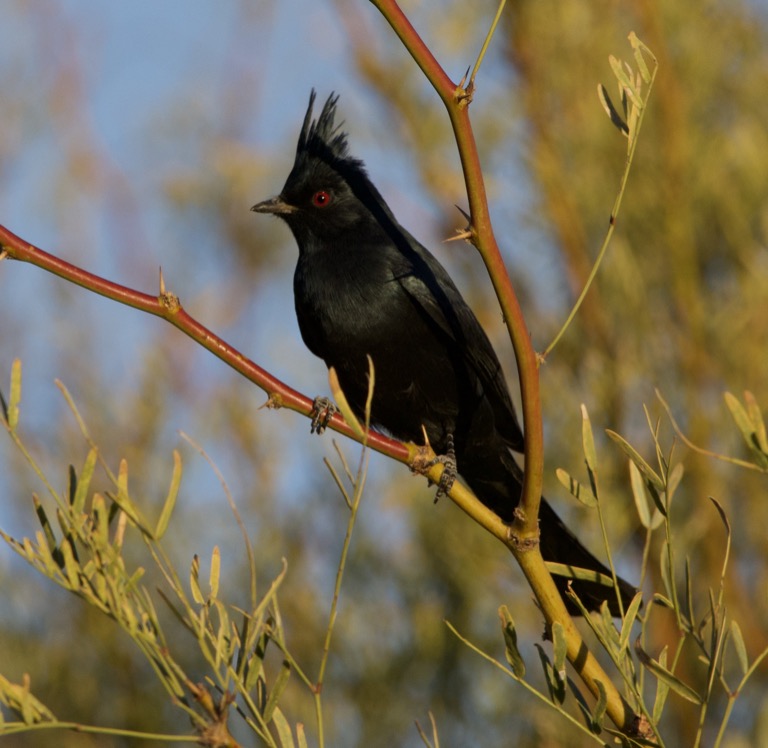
pixel 364 286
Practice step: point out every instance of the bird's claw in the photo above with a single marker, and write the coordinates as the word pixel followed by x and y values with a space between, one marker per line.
pixel 450 469
pixel 323 410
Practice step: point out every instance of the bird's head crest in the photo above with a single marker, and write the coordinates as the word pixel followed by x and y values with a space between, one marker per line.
pixel 322 135
pixel 323 139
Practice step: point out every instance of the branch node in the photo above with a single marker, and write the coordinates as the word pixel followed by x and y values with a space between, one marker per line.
pixel 518 542
pixel 273 402
pixel 170 302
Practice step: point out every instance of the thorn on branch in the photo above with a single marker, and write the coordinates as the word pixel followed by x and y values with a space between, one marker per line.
pixel 464 92
pixel 273 402
pixel 467 233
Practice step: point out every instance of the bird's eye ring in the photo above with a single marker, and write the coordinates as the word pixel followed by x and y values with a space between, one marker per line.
pixel 321 199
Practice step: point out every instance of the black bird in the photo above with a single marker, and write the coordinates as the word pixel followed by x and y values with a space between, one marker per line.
pixel 363 285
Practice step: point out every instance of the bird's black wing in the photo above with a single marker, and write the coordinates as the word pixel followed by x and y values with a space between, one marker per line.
pixel 429 286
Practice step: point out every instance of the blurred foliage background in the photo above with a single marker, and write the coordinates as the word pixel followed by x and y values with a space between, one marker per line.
pixel 680 305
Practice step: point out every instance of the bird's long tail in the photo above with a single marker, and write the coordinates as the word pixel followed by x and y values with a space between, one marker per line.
pixel 496 479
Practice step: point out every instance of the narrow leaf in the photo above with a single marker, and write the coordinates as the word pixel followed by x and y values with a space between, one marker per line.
pixel 741 650
pixel 277 690
pixel 638 48
pixel 45 523
pixel 600 708
pixel 661 672
pixel 343 404
pixel 662 690
pixel 629 619
pixel 626 83
pixel 555 686
pixel 514 658
pixel 84 482
pixel 301 735
pixel 194 580
pixel 213 577
pixel 281 724
pixel 673 481
pixel 100 531
pixel 15 395
pixel 749 431
pixel 71 567
pixel 611 111
pixel 723 515
pixel 666 576
pixel 756 416
pixel 588 440
pixel 640 494
pixel 170 500
pixel 649 473
pixel 576 489
pixel 619 72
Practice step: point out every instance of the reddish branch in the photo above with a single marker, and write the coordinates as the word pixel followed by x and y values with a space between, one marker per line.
pixel 456 100
pixel 168 306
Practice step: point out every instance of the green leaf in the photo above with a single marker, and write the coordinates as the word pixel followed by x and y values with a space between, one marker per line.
pixel 618 70
pixel 277 690
pixel 555 686
pixel 100 531
pixel 741 650
pixel 723 515
pixel 213 577
pixel 588 440
pixel 662 690
pixel 756 416
pixel 84 481
pixel 666 572
pixel 170 500
pixel 661 507
pixel 341 401
pixel 740 416
pixel 283 728
pixel 194 580
pixel 663 600
pixel 512 653
pixel 611 111
pixel 577 572
pixel 639 48
pixel 601 706
pixel 662 674
pixel 71 567
pixel 629 619
pixel 301 736
pixel 15 398
pixel 649 473
pixel 673 481
pixel 753 432
pixel 640 494
pixel 122 498
pixel 622 71
pixel 45 523
pixel 576 489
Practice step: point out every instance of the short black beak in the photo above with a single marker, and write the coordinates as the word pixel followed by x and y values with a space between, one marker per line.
pixel 275 205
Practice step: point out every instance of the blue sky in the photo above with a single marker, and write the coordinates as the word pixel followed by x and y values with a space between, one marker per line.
pixel 138 90
pixel 146 92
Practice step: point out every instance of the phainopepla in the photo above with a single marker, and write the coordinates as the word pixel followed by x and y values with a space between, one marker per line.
pixel 363 285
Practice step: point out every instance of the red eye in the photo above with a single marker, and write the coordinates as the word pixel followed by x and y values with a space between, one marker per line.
pixel 321 198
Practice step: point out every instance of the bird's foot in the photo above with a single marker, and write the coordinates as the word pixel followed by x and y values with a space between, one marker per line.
pixel 450 469
pixel 323 410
